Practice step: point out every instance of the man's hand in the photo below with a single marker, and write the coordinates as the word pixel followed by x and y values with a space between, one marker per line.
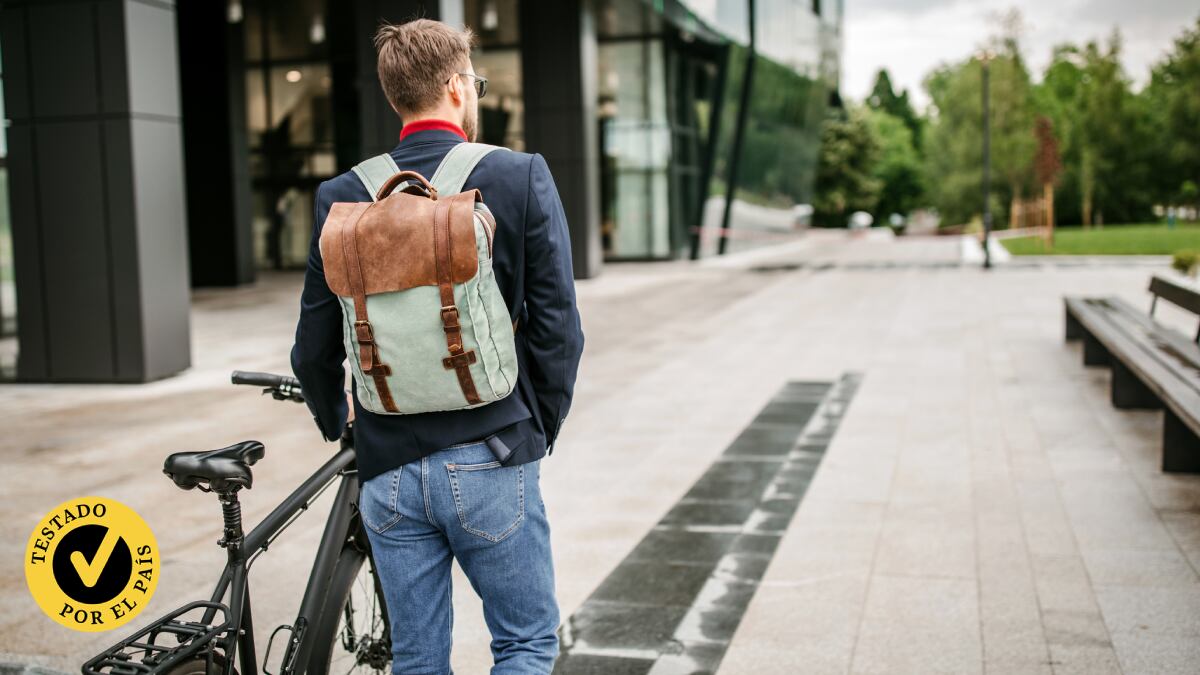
pixel 350 407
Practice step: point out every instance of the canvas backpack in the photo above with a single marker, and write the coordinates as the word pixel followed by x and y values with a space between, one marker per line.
pixel 424 323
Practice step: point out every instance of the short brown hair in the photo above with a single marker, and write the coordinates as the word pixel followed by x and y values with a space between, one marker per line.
pixel 416 59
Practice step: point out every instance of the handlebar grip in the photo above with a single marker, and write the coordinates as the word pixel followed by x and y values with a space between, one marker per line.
pixel 263 379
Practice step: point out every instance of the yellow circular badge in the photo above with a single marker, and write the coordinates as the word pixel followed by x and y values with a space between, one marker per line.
pixel 92 564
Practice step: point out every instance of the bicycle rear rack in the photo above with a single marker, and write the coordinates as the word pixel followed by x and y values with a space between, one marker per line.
pixel 143 654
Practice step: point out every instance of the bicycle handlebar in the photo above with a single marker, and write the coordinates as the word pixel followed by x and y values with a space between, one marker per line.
pixel 282 387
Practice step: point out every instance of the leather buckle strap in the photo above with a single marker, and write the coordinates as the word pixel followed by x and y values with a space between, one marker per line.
pixel 364 333
pixel 460 360
pixel 378 368
pixel 368 352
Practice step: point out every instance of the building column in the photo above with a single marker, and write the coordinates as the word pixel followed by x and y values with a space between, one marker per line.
pixel 96 189
pixel 558 72
pixel 217 155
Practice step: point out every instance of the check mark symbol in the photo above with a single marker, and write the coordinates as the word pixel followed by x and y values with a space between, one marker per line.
pixel 89 572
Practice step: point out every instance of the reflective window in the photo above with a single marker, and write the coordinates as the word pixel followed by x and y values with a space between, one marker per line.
pixel 495 22
pixel 497 56
pixel 8 293
pixel 794 68
pixel 635 147
pixel 289 123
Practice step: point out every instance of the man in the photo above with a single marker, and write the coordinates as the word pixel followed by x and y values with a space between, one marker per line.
pixel 460 483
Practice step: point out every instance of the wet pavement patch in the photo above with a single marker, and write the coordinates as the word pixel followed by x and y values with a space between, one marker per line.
pixel 673 605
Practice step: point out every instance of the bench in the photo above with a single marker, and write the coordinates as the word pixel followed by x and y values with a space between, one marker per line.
pixel 1153 366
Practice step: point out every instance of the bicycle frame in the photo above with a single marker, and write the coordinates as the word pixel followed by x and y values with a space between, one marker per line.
pixel 200 637
pixel 234 577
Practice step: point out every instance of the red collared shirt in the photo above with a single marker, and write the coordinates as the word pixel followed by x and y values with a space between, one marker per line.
pixel 427 124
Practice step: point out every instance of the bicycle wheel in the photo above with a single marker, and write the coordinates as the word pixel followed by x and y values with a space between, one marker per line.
pixel 351 636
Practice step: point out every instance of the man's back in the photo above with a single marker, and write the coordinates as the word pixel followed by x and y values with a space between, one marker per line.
pixel 461 484
pixel 532 265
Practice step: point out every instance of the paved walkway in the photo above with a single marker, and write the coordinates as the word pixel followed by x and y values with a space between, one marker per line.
pixel 981 508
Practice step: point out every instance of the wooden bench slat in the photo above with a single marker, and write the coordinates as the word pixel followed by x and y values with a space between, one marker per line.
pixel 1176 292
pixel 1127 338
pixel 1177 344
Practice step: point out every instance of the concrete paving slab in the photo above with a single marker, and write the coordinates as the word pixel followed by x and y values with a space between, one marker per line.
pixel 981 508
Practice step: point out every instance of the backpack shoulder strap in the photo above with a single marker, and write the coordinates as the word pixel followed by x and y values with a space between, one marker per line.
pixel 375 171
pixel 458 164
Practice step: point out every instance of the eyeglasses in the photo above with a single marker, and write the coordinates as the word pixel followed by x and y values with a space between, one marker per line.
pixel 480 82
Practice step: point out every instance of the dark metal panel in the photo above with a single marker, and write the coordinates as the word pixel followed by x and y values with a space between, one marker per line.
pixel 62 41
pixel 558 72
pixel 211 62
pixel 119 190
pixel 15 48
pixel 34 358
pixel 75 254
pixel 161 246
pixel 101 261
pixel 111 58
pixel 152 67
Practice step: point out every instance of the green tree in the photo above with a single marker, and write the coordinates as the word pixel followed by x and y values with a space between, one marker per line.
pixel 1107 135
pixel 1174 92
pixel 954 141
pixel 1056 98
pixel 845 171
pixel 884 97
pixel 898 168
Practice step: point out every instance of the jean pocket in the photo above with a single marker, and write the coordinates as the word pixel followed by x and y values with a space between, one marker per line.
pixel 490 498
pixel 378 500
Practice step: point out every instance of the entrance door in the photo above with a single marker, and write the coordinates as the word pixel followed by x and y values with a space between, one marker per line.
pixel 289 111
pixel 693 82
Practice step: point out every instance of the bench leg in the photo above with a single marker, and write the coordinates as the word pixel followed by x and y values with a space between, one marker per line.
pixel 1181 447
pixel 1094 353
pixel 1129 392
pixel 1075 329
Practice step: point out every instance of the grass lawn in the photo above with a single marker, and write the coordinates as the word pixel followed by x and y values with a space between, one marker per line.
pixel 1147 239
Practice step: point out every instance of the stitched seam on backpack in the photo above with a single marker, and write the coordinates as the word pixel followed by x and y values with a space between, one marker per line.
pixel 476 309
pixel 492 339
pixel 491 328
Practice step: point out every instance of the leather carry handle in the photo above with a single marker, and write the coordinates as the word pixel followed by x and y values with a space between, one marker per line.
pixel 386 188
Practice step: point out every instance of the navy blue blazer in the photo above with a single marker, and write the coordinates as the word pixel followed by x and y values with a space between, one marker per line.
pixel 532 262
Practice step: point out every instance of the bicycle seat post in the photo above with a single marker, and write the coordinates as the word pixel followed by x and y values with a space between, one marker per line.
pixel 231 511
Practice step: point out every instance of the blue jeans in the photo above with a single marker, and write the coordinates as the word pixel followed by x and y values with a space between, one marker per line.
pixel 460 502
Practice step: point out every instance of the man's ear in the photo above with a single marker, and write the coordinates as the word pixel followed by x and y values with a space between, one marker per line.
pixel 455 85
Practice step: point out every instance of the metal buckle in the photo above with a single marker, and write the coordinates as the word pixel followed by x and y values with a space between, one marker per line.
pixel 364 333
pixel 450 308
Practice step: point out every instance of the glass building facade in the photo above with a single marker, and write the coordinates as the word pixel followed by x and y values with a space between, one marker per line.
pixel 8 305
pixel 674 129
pixel 669 85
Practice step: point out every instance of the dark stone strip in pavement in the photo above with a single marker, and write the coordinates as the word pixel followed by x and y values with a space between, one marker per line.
pixel 673 604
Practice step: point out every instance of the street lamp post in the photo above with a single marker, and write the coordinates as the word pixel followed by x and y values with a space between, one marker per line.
pixel 987 163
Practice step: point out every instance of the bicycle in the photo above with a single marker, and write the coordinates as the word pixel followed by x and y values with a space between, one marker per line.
pixel 342 622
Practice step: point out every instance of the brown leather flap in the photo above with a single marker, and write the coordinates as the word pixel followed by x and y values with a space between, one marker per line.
pixel 395 242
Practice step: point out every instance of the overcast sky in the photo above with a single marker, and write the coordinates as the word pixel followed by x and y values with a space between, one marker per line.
pixel 911 37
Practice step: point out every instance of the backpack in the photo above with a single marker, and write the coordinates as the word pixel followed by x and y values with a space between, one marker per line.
pixel 412 270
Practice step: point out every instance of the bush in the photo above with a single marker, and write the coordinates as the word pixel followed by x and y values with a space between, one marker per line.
pixel 1185 261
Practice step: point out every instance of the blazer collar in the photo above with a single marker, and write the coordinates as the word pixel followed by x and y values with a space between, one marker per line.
pixel 432 123
pixel 425 136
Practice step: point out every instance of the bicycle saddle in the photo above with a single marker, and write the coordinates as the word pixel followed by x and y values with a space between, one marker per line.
pixel 221 469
